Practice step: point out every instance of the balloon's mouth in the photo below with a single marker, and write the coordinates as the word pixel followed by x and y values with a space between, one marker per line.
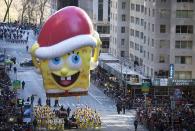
pixel 66 81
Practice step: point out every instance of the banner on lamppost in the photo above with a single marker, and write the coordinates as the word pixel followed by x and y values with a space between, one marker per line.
pixel 171 71
pixel 146 84
pixel 16 84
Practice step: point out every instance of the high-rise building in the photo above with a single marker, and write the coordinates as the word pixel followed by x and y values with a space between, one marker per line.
pixel 64 3
pixel 155 34
pixel 99 12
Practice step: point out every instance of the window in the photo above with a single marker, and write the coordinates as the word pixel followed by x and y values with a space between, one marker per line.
pixel 122 41
pixel 132 19
pixel 163 1
pixel 184 13
pixel 164 44
pixel 148 26
pixel 141 35
pixel 100 10
pixel 137 21
pixel 123 29
pixel 183 44
pixel 152 42
pixel 141 49
pixel 103 29
pixel 136 46
pixel 162 28
pixel 144 39
pixel 145 11
pixel 132 32
pixel 183 59
pixel 152 27
pixel 144 53
pixel 153 12
pixel 185 1
pixel 142 8
pixel 123 17
pixel 137 34
pixel 148 55
pixel 183 75
pixel 184 29
pixel 137 8
pixel 132 6
pixel 152 57
pixel 144 25
pixel 142 22
pixel 164 12
pixel 161 59
pixel 148 11
pixel 123 5
pixel 132 44
pixel 122 53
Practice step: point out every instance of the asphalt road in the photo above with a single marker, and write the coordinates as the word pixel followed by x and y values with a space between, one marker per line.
pixel 96 99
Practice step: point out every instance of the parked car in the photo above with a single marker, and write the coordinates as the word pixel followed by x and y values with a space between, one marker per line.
pixel 26 62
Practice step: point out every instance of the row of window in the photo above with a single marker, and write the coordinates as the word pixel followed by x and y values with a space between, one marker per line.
pixel 136 33
pixel 142 9
pixel 183 59
pixel 137 20
pixel 179 29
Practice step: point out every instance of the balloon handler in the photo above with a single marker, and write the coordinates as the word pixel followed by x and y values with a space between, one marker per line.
pixel 66 50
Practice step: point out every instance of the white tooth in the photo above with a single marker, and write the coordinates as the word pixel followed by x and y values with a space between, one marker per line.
pixel 62 78
pixel 69 78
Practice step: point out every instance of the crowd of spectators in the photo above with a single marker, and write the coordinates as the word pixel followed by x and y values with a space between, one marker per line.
pixel 16 32
pixel 10 114
pixel 158 115
pixel 164 118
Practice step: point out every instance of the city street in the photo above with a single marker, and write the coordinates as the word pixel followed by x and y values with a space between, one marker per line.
pixel 96 98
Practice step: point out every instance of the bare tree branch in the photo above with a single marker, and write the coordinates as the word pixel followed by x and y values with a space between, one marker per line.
pixel 8 4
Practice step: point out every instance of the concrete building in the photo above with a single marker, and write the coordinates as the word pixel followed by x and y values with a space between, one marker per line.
pixel 99 12
pixel 64 3
pixel 154 34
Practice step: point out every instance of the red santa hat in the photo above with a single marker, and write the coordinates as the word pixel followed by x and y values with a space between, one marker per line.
pixel 68 29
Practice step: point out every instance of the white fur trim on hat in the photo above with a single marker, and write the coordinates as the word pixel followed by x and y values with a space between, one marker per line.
pixel 65 46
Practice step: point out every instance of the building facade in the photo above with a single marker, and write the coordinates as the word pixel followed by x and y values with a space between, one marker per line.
pixel 99 12
pixel 155 34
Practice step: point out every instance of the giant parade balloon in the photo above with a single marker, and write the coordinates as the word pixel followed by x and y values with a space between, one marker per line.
pixel 66 50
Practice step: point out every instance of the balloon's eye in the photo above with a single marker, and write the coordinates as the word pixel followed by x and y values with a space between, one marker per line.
pixel 74 61
pixel 56 63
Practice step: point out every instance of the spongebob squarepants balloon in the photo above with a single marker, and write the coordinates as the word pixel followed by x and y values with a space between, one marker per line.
pixel 67 49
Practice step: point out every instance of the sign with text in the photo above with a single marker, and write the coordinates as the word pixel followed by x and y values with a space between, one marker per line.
pixel 171 71
pixel 185 82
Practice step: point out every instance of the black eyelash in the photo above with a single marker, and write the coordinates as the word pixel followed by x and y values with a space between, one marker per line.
pixel 73 52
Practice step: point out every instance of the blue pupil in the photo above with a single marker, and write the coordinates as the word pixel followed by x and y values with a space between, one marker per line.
pixel 56 61
pixel 75 59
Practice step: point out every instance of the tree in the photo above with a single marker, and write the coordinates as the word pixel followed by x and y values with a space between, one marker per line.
pixel 42 5
pixel 25 6
pixel 8 4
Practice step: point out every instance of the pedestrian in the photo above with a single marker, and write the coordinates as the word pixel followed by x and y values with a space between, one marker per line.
pixel 32 99
pixel 34 124
pixel 39 102
pixel 123 107
pixel 118 107
pixel 68 111
pixel 56 103
pixel 15 70
pixel 23 84
pixel 135 124
pixel 48 102
pixel 27 48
